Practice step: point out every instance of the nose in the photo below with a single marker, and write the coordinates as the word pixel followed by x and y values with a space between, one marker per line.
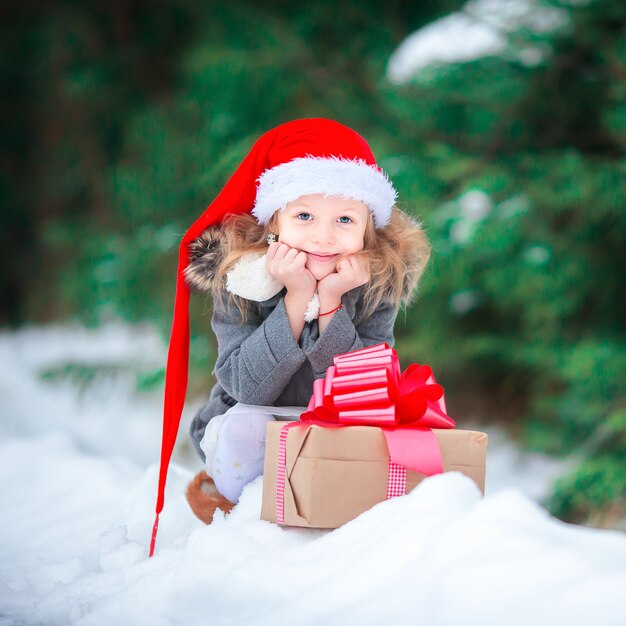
pixel 324 234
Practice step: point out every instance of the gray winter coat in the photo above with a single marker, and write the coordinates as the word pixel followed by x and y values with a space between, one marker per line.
pixel 261 363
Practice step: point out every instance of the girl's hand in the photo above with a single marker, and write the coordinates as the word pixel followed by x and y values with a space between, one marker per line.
pixel 287 265
pixel 352 271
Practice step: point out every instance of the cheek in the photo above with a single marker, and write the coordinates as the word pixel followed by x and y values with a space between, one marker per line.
pixel 357 244
pixel 286 235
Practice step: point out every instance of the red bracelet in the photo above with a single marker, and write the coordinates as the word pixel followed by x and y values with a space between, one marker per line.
pixel 329 312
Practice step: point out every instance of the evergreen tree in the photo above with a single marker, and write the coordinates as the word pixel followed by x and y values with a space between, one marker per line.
pixel 121 122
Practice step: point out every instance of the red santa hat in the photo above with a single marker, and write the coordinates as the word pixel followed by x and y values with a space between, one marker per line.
pixel 294 159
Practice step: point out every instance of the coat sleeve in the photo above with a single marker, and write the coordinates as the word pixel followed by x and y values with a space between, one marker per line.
pixel 342 335
pixel 255 361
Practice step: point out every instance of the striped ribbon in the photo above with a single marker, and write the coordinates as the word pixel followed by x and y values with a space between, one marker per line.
pixel 396 480
pixel 280 475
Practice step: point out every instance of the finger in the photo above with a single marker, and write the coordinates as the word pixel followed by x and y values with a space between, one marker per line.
pixel 292 253
pixel 281 251
pixel 357 260
pixel 299 259
pixel 272 249
pixel 344 265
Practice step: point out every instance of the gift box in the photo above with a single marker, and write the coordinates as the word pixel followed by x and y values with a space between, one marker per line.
pixel 331 475
pixel 370 432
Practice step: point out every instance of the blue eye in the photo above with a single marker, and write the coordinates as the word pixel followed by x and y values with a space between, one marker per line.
pixel 345 217
pixel 304 217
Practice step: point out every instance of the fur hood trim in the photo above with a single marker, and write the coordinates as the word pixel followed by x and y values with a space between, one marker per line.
pixel 206 254
pixel 249 279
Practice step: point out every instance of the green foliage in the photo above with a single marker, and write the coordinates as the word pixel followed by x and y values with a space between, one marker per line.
pixel 598 483
pixel 524 301
pixel 80 375
pixel 122 125
pixel 150 381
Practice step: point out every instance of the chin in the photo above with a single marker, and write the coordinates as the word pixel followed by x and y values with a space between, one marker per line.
pixel 321 272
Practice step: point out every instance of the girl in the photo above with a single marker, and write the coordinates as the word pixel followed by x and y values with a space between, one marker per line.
pixel 306 256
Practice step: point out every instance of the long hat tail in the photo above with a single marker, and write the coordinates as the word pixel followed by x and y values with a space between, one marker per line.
pixel 237 196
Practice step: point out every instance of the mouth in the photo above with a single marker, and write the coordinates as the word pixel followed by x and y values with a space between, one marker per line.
pixel 322 258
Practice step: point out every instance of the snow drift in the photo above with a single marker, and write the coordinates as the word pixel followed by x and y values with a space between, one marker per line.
pixel 77 510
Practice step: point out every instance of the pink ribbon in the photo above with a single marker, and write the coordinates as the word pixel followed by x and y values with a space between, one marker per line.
pixel 281 473
pixel 366 388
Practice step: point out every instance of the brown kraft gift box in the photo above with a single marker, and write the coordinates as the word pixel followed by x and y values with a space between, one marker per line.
pixel 334 474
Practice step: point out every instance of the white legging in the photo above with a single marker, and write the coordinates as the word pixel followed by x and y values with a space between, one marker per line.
pixel 234 445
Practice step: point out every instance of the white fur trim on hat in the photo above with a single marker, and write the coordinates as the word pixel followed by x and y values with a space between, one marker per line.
pixel 330 176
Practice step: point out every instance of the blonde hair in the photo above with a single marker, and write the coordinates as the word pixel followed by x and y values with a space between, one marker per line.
pixel 397 255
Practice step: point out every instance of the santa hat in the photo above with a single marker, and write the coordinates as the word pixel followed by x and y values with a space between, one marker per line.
pixel 294 159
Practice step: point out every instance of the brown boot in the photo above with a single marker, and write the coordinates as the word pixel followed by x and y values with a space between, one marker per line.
pixel 204 498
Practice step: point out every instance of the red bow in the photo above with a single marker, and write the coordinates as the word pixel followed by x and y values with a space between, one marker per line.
pixel 366 387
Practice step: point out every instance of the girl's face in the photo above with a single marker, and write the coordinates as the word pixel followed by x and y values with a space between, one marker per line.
pixel 326 228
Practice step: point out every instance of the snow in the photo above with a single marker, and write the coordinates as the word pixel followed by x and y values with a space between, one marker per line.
pixel 481 28
pixel 78 482
pixel 118 352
